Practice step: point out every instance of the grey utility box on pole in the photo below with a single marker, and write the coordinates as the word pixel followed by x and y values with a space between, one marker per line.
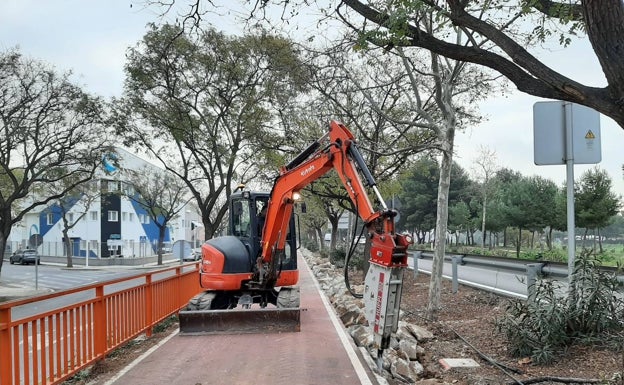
pixel 566 133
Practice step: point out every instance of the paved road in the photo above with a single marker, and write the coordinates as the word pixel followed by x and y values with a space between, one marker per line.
pixel 55 277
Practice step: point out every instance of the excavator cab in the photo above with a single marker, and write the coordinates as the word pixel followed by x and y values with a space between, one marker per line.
pixel 246 222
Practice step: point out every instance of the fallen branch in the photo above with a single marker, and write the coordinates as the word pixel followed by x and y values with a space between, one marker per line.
pixel 563 380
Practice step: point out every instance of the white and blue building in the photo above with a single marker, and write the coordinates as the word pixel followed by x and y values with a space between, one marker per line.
pixel 112 226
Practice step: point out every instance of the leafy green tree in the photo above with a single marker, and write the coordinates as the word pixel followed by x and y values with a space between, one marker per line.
pixel 496 221
pixel 459 220
pixel 558 219
pixel 52 138
pixel 418 195
pixel 503 182
pixel 315 219
pixel 595 202
pixel 615 228
pixel 204 107
pixel 529 202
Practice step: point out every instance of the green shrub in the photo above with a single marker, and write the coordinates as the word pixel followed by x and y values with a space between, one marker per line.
pixel 590 312
pixel 337 256
pixel 310 244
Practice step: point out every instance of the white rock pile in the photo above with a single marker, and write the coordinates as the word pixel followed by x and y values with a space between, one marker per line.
pixel 401 362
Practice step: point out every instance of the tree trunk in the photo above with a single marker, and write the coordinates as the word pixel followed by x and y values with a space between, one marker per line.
pixel 549 241
pixel 505 237
pixel 321 238
pixel 600 241
pixel 519 242
pixel 68 248
pixel 435 285
pixel 3 242
pixel 161 240
pixel 483 221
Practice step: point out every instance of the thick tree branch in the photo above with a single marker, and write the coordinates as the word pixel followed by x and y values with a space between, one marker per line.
pixel 525 71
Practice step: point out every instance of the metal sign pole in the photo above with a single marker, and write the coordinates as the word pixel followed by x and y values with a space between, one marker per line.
pixel 569 149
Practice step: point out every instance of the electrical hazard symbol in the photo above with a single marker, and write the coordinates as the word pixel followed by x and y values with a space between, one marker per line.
pixel 590 135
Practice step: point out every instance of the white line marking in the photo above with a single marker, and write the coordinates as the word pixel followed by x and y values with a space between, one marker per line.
pixel 140 358
pixel 357 364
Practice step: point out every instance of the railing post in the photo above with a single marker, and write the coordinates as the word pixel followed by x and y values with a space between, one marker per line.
pixel 178 271
pixel 456 259
pixel 99 316
pixel 6 363
pixel 149 310
pixel 532 271
pixel 415 257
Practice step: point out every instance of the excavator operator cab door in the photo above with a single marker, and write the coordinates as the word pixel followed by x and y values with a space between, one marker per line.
pixel 247 218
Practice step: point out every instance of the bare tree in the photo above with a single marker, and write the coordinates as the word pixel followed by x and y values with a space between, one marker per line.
pixel 52 135
pixel 506 45
pixel 162 195
pixel 508 28
pixel 485 168
pixel 72 208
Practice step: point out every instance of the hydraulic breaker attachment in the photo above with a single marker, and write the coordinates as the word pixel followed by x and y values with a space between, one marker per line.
pixel 232 321
pixel 382 297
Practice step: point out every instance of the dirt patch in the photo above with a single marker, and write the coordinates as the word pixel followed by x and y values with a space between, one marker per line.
pixel 467 322
pixel 121 357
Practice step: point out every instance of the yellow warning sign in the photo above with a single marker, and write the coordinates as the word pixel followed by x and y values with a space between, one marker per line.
pixel 590 135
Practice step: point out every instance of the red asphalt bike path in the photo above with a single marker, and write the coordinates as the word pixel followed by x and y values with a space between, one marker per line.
pixel 321 353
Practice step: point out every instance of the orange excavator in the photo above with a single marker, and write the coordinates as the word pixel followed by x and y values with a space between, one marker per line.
pixel 255 265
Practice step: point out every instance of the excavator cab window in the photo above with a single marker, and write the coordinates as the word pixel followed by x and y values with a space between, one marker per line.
pixel 241 218
pixel 247 218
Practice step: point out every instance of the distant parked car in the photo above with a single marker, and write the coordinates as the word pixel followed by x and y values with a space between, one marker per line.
pixel 25 256
pixel 193 256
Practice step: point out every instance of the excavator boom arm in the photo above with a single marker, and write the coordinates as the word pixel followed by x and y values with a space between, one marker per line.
pixel 337 155
pixel 388 251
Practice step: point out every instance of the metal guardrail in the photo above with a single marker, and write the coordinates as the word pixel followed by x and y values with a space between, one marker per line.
pixel 51 346
pixel 532 269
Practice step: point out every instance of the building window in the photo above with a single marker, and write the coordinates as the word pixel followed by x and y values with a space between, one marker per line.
pixel 143 218
pixel 70 218
pixel 49 219
pixel 93 215
pixel 130 217
pixel 113 216
pixel 128 189
pixel 124 216
pixel 113 186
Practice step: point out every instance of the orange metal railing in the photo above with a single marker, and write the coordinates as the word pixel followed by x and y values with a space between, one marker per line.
pixel 86 323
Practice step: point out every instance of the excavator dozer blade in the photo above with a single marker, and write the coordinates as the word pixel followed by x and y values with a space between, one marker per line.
pixel 271 320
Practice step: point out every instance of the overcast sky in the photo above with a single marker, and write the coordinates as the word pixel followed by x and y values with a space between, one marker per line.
pixel 90 38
